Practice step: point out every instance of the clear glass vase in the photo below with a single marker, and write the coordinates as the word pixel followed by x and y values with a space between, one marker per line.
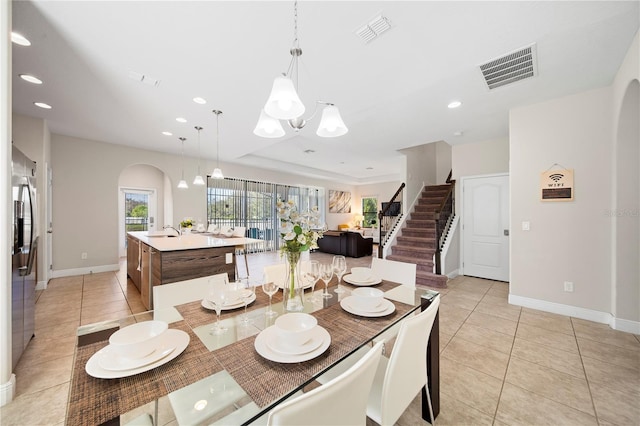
pixel 292 286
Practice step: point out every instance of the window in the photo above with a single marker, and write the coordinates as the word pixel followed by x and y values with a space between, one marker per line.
pixel 239 202
pixel 369 211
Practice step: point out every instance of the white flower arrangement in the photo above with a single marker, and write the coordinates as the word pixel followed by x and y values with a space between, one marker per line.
pixel 300 231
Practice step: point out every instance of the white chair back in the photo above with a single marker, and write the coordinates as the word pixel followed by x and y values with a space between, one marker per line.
pixel 277 273
pixel 168 295
pixel 406 372
pixel 400 272
pixel 341 401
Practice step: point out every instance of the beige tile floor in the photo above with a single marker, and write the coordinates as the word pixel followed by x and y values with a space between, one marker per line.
pixel 500 364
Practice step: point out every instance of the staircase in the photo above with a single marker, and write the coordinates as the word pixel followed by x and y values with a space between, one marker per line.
pixel 417 242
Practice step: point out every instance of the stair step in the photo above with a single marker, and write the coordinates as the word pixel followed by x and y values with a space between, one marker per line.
pixel 422 264
pixel 406 240
pixel 415 252
pixel 422 216
pixel 429 279
pixel 421 223
pixel 419 232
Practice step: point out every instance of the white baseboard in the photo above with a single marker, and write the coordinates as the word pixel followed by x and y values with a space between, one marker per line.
pixel 451 275
pixel 625 325
pixel 42 285
pixel 7 391
pixel 84 271
pixel 558 308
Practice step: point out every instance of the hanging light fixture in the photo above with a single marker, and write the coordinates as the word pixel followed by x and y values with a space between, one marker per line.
pixel 217 173
pixel 285 104
pixel 198 180
pixel 183 183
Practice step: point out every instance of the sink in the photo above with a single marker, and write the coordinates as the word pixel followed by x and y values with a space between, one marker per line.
pixel 161 234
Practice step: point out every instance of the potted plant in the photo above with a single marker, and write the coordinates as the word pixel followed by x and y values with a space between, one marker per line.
pixel 186 224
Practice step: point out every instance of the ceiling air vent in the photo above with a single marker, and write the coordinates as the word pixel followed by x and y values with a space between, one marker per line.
pixel 510 68
pixel 373 29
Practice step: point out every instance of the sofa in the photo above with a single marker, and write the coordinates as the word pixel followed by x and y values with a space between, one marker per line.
pixel 345 243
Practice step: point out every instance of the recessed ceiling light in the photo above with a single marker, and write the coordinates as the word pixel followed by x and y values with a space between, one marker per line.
pixel 458 133
pixel 181 120
pixel 454 104
pixel 20 39
pixel 30 79
pixel 199 100
pixel 167 133
pixel 42 105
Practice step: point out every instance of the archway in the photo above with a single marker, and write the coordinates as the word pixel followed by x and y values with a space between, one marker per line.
pixel 149 189
pixel 627 212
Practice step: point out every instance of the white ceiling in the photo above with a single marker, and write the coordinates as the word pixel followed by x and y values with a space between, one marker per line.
pixel 392 93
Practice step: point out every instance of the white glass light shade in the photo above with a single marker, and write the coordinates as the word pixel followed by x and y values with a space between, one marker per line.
pixel 283 102
pixel 331 124
pixel 198 180
pixel 183 184
pixel 217 174
pixel 268 127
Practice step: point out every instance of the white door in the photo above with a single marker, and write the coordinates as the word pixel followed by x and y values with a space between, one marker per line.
pixel 137 207
pixel 485 227
pixel 49 221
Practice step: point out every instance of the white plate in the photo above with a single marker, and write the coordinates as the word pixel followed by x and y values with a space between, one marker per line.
pixel 240 304
pixel 262 347
pixel 389 308
pixel 112 360
pixel 278 344
pixel 382 306
pixel 177 338
pixel 349 279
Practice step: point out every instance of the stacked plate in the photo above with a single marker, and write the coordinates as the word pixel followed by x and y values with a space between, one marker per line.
pixel 293 338
pixel 362 277
pixel 367 302
pixel 137 348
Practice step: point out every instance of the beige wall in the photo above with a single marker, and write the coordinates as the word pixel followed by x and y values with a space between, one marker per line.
pixel 568 241
pixel 85 206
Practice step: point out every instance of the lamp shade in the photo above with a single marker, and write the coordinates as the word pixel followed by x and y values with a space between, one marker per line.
pixel 183 184
pixel 283 102
pixel 268 127
pixel 331 124
pixel 198 180
pixel 217 174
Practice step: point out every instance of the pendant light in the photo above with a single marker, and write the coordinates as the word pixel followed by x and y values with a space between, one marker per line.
pixel 285 104
pixel 183 183
pixel 198 180
pixel 217 173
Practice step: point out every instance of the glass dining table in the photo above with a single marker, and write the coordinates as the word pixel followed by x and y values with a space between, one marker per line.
pixel 232 378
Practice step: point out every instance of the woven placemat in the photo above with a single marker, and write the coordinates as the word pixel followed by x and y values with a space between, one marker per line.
pixel 94 401
pixel 267 381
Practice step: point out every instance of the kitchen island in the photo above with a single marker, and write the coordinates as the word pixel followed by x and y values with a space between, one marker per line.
pixel 157 258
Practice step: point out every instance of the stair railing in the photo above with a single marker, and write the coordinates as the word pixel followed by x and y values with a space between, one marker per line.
pixel 443 216
pixel 389 217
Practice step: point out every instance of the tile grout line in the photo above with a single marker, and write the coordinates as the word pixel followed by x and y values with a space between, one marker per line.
pixel 504 379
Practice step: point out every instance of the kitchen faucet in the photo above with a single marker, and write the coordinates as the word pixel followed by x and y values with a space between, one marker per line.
pixel 169 226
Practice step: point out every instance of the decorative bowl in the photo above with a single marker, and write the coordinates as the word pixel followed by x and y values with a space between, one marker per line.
pixel 366 298
pixel 137 340
pixel 295 328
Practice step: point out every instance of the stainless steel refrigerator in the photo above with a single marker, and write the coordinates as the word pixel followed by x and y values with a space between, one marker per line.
pixel 23 253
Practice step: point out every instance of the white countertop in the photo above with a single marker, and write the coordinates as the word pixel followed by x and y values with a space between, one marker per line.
pixel 189 241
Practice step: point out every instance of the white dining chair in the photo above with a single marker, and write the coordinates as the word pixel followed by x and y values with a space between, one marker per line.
pixel 277 273
pixel 401 376
pixel 390 270
pixel 341 401
pixel 168 295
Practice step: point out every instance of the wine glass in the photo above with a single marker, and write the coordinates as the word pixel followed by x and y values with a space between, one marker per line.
pixel 217 296
pixel 339 267
pixel 314 275
pixel 270 288
pixel 326 272
pixel 248 291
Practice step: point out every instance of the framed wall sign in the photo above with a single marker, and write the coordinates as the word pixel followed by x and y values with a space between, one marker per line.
pixel 557 185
